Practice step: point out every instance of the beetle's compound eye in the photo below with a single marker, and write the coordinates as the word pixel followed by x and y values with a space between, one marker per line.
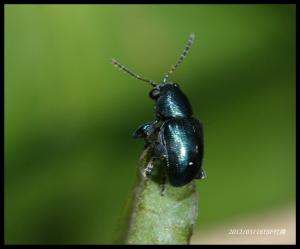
pixel 154 94
pixel 176 85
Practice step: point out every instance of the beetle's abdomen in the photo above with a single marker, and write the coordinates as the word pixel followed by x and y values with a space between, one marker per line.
pixel 183 142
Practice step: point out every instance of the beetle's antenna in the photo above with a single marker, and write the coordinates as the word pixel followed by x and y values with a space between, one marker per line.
pixel 182 56
pixel 126 70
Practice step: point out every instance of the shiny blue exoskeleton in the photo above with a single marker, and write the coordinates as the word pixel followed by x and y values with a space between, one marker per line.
pixel 175 136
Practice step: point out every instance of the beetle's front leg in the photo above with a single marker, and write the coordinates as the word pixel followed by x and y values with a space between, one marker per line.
pixel 146 131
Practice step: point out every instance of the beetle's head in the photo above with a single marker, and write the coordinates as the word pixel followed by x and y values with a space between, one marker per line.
pixel 162 89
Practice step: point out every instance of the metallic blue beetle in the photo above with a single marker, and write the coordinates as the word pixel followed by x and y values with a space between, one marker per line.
pixel 174 136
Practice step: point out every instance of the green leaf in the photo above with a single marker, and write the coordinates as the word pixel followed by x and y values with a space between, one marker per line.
pixel 156 218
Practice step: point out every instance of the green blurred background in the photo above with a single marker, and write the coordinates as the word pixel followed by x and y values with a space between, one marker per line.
pixel 70 161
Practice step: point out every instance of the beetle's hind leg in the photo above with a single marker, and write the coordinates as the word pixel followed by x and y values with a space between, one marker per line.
pixel 201 174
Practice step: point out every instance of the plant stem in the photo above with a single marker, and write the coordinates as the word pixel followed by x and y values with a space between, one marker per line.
pixel 154 218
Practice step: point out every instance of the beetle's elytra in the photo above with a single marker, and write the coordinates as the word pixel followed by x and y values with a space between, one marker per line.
pixel 175 136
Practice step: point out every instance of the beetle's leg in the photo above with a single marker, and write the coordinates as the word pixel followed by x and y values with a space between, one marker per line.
pixel 146 130
pixel 149 168
pixel 201 174
pixel 148 171
pixel 143 130
pixel 158 155
pixel 163 186
pixel 159 151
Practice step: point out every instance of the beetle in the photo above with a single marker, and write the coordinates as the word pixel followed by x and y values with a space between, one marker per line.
pixel 175 136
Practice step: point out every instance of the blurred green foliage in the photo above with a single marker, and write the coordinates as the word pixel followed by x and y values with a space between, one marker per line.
pixel 70 161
